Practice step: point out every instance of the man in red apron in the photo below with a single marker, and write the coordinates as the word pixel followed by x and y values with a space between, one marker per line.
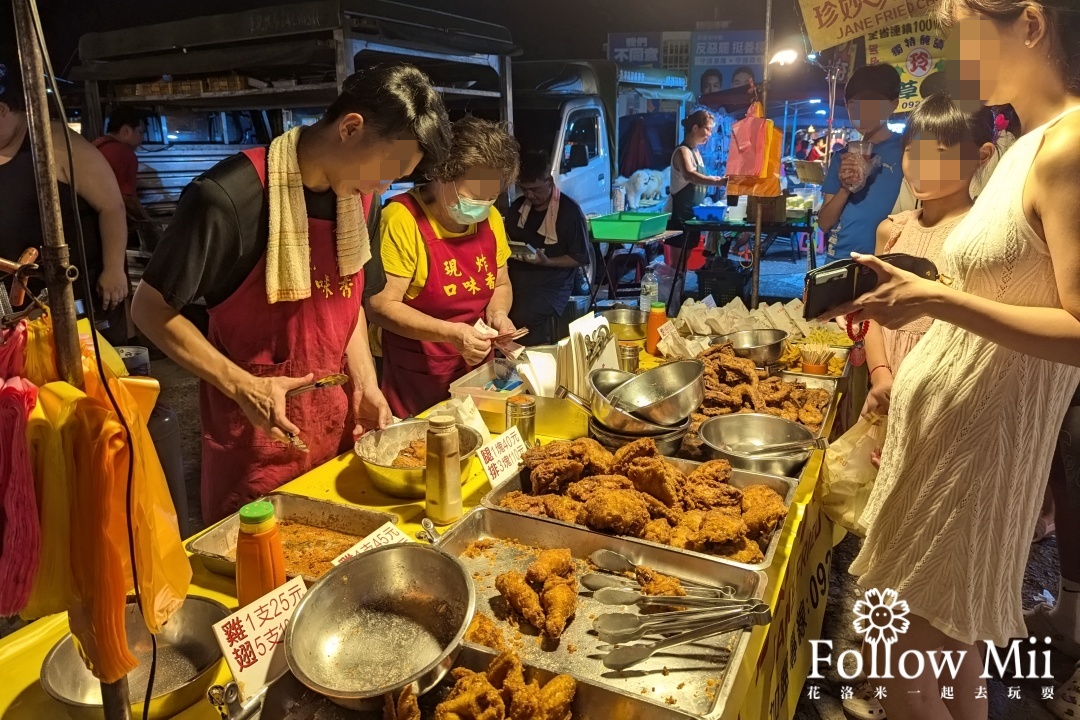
pixel 263 341
pixel 444 253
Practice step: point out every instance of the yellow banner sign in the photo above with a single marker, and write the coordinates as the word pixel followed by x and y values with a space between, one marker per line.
pixel 832 22
pixel 916 50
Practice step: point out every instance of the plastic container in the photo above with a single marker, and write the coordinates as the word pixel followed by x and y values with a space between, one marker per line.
pixel 815 369
pixel 260 562
pixel 443 472
pixel 628 226
pixel 695 261
pixel 710 213
pixel 657 317
pixel 650 291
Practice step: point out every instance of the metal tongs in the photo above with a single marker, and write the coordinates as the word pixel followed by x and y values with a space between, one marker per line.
pixel 335 380
pixel 596 343
pixel 612 562
pixel 615 628
pixel 784 448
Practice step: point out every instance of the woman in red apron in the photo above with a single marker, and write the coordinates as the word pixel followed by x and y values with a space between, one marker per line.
pixel 276 325
pixel 444 253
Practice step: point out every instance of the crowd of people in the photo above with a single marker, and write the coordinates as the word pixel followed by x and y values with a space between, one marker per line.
pixel 294 258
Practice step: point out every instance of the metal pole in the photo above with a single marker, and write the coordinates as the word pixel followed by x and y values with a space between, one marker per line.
pixel 54 252
pixel 832 74
pixel 785 123
pixel 794 126
pixel 755 280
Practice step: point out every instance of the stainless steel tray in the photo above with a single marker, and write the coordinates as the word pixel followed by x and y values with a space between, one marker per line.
pixel 818 381
pixel 217 546
pixel 739 478
pixel 287 699
pixel 677 682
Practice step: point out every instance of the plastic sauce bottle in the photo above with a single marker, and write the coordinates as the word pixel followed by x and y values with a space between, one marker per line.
pixel 260 562
pixel 657 317
pixel 443 472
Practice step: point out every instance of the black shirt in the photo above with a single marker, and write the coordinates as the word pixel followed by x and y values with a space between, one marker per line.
pixel 535 284
pixel 219 234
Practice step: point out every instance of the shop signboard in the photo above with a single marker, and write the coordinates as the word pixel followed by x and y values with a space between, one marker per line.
pixel 832 22
pixel 916 49
pixel 642 48
pixel 720 60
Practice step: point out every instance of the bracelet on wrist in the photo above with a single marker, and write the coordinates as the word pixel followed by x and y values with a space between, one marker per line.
pixel 875 369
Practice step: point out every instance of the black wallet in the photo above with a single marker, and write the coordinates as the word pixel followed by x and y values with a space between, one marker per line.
pixel 842 281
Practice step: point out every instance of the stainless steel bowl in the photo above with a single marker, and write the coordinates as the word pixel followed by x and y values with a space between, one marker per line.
pixel 668 443
pixel 626 323
pixel 764 347
pixel 188 657
pixel 728 437
pixel 389 618
pixel 665 395
pixel 602 383
pixel 408 482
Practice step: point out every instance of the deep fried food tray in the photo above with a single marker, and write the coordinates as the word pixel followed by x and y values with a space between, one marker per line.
pixel 689 682
pixel 815 382
pixel 785 487
pixel 217 546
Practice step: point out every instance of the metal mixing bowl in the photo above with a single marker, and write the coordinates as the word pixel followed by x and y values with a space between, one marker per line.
pixel 727 437
pixel 391 617
pixel 408 482
pixel 603 382
pixel 188 657
pixel 668 443
pixel 665 395
pixel 764 347
pixel 627 324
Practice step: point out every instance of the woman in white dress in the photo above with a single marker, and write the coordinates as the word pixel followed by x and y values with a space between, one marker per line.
pixel 976 406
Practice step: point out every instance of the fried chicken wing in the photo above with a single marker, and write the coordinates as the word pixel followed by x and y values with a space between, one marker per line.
pixel 525 703
pixel 595 457
pixel 557 450
pixel 560 507
pixel 655 583
pixel 658 531
pixel 483 631
pixel 506 674
pixel 622 512
pixel 559 599
pixel 720 527
pixel 551 476
pixel 556 698
pixel 658 478
pixel 744 550
pixel 644 447
pixel 658 509
pixel 406 707
pixel 472 698
pixel 582 490
pixel 520 502
pixel 557 562
pixel 521 597
pixel 763 509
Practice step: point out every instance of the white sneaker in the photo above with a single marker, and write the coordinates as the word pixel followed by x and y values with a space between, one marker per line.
pixel 864 705
pixel 1066 702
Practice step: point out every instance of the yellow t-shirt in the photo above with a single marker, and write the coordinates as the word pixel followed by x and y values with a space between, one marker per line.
pixel 402 246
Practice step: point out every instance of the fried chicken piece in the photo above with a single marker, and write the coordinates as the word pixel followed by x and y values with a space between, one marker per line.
pixel 658 478
pixel 559 599
pixel 718 470
pixel 683 538
pixel 506 674
pixel 556 698
pixel 717 352
pixel 472 698
pixel 658 531
pixel 656 583
pixel 722 399
pixel 551 476
pixel 521 597
pixel 709 494
pixel 644 447
pixel 692 520
pixel 595 457
pixel 622 512
pixel 658 509
pixel 556 562
pixel 483 631
pixel 743 551
pixel 582 490
pixel 763 509
pixel 557 450
pixel 520 502
pixel 711 378
pixel 743 392
pixel 691 446
pixel 406 707
pixel 810 415
pixel 775 391
pixel 560 507
pixel 716 411
pixel 818 397
pixel 740 367
pixel 413 455
pixel 525 703
pixel 720 527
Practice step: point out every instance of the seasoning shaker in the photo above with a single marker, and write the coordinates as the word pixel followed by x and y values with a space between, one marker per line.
pixel 443 472
pixel 628 356
pixel 521 413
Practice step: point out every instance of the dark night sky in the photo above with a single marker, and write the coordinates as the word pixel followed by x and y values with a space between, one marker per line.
pixel 544 28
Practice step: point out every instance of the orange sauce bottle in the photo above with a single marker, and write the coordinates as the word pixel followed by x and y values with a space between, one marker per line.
pixel 657 317
pixel 260 562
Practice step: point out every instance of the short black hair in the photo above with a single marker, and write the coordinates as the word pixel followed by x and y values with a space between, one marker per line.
pixel 125 116
pixel 744 70
pixel 395 100
pixel 711 72
pixel 873 82
pixel 535 166
pixel 11 87
pixel 938 117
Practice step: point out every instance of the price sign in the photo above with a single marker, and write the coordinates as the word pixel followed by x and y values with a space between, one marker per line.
pixel 388 534
pixel 667 329
pixel 708 302
pixel 502 456
pixel 253 638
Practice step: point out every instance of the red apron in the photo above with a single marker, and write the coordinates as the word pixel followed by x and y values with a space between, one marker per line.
pixel 461 280
pixel 240 462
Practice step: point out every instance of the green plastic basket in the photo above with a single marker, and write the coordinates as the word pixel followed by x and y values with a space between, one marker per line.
pixel 628 226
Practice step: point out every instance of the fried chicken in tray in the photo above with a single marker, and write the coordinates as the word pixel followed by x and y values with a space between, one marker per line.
pixel 501 693
pixel 546 595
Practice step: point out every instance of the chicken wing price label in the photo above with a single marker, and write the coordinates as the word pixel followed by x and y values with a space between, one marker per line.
pixel 502 456
pixel 253 638
pixel 388 534
pixel 709 303
pixel 667 329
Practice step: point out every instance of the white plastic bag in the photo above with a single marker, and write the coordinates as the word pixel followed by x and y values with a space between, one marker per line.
pixel 848 475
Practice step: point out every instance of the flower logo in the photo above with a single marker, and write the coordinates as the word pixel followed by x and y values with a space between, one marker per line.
pixel 881 616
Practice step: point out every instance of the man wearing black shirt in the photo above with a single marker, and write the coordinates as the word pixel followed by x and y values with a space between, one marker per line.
pixel 261 344
pixel 554 226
